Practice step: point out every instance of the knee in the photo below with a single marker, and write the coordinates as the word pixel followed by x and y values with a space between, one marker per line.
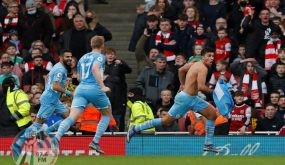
pixel 212 116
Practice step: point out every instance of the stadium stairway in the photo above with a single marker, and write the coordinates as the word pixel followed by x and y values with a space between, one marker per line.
pixel 119 16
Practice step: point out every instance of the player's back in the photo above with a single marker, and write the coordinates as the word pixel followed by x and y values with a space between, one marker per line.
pixel 57 74
pixel 85 64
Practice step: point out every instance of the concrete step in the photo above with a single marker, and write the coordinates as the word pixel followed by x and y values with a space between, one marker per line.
pixel 119 17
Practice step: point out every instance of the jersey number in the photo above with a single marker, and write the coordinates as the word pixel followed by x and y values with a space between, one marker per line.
pixel 85 70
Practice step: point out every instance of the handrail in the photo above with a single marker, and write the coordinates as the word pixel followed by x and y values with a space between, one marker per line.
pixel 231 133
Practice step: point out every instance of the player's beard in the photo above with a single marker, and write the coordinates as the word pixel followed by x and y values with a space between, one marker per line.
pixel 67 66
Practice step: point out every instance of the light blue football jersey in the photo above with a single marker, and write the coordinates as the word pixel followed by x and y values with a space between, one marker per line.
pixel 84 67
pixel 57 74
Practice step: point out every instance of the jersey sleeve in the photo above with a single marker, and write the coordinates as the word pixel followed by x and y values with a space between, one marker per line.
pixel 58 76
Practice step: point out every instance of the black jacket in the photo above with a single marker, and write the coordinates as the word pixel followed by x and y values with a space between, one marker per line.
pixel 257 37
pixel 116 81
pixel 36 27
pixel 266 124
pixel 7 126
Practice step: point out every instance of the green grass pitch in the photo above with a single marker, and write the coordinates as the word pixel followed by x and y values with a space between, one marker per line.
pixel 164 160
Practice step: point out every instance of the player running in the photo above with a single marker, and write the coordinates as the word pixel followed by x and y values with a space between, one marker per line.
pixel 50 100
pixel 91 89
pixel 192 78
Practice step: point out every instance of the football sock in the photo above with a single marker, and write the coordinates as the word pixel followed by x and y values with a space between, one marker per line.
pixel 53 127
pixel 63 127
pixel 101 128
pixel 148 124
pixel 210 128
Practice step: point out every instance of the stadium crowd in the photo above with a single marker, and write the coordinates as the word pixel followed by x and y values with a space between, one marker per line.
pixel 248 37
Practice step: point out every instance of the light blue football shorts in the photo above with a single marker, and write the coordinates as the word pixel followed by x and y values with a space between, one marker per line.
pixel 48 109
pixel 85 93
pixel 184 102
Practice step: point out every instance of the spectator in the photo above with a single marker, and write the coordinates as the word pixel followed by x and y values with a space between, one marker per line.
pixel 38 27
pixel 93 24
pixel 165 40
pixel 184 36
pixel 279 23
pixel 7 126
pixel 18 99
pixel 258 34
pixel 210 12
pixel 275 9
pixel 173 127
pixel 240 55
pixel 281 108
pixel 149 60
pixel 140 25
pixel 13 20
pixel 154 79
pixel 66 21
pixel 235 19
pixel 15 68
pixel 222 45
pixel 35 76
pixel 221 23
pixel 193 16
pixel 38 44
pixel 281 59
pixel 180 60
pixel 78 38
pixel 3 12
pixel 11 50
pixel 251 79
pixel 13 38
pixel 6 68
pixel 271 49
pixel 277 80
pixel 166 9
pixel 241 115
pixel 29 65
pixel 33 113
pixel 35 89
pixel 165 101
pixel 114 74
pixel 140 110
pixel 200 38
pixel 179 6
pixel 41 7
pixel 88 122
pixel 274 98
pixel 146 41
pixel 197 124
pixel 270 122
pixel 197 48
pixel 221 68
pixel 36 99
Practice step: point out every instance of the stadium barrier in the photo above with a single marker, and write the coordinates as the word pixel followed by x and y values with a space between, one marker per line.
pixel 166 143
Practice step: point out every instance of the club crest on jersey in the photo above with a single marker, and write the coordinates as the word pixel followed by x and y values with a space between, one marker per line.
pixel 100 59
pixel 59 75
